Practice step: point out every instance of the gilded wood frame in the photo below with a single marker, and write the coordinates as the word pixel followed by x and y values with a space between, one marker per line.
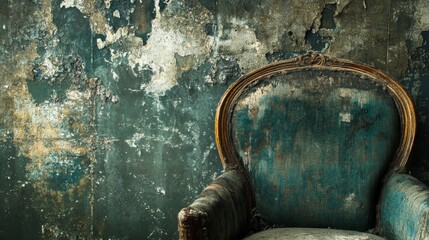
pixel 404 104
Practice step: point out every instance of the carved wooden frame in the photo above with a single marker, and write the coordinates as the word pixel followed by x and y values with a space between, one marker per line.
pixel 404 104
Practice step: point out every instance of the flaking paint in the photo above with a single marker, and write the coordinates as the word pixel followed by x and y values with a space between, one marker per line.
pixel 131 92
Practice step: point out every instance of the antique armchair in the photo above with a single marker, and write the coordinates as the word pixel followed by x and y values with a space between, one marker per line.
pixel 312 148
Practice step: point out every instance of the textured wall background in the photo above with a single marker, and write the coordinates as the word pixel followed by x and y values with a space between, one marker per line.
pixel 107 107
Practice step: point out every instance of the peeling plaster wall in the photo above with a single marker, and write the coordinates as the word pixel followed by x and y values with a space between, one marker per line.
pixel 107 107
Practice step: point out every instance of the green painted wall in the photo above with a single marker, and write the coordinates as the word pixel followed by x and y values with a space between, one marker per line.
pixel 107 107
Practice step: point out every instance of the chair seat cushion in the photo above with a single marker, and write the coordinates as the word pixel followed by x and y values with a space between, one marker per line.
pixel 312 234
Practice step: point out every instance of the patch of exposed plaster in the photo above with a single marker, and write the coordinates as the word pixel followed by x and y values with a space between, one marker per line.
pixel 79 4
pixel 116 14
pixel 168 38
pixel 112 37
pixel 158 54
pixel 345 117
pixel 240 41
pixel 49 67
pixel 107 3
pixel 100 43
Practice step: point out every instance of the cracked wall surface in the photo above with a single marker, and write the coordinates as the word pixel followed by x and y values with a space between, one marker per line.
pixel 107 107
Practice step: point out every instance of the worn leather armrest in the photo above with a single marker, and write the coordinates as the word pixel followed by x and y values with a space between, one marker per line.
pixel 404 208
pixel 222 211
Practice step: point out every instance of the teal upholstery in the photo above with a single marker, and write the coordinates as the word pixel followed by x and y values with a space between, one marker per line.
pixel 315 149
pixel 306 146
pixel 405 208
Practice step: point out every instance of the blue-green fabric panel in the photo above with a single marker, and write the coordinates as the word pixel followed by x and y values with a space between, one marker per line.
pixel 316 144
pixel 405 208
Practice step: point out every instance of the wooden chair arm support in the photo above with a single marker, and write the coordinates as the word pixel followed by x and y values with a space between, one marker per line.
pixel 404 208
pixel 221 211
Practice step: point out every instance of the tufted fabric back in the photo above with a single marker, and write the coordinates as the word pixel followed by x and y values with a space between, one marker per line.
pixel 315 143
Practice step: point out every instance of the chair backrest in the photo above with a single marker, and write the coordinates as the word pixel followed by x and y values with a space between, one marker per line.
pixel 315 136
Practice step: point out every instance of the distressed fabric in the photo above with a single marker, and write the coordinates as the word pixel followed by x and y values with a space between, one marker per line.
pixel 311 234
pixel 405 208
pixel 316 144
pixel 221 212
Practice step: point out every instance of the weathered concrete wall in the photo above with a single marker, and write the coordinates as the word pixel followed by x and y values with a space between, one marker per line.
pixel 107 107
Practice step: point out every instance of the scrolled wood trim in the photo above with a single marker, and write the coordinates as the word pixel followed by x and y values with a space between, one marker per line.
pixel 404 104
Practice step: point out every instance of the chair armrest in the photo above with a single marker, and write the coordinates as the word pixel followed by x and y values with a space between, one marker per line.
pixel 222 211
pixel 404 208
